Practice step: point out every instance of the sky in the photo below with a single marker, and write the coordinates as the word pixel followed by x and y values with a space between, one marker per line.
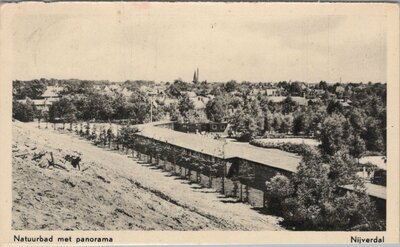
pixel 163 42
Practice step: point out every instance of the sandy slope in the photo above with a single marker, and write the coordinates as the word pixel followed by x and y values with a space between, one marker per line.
pixel 111 191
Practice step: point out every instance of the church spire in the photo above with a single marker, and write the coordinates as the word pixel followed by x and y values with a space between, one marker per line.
pixel 196 76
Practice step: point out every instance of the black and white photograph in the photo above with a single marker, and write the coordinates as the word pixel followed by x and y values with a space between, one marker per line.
pixel 199 117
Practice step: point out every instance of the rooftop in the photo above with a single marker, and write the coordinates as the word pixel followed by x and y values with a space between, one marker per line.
pixel 52 91
pixel 374 190
pixel 193 142
pixel 269 157
pixel 379 161
pixel 297 99
pixel 226 150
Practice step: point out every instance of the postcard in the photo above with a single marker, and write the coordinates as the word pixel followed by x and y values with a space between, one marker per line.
pixel 199 123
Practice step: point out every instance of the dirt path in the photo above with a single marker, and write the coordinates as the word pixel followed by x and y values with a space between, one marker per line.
pixel 112 191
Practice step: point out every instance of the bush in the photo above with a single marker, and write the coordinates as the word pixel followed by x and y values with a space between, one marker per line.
pixel 299 149
pixel 278 189
pixel 245 137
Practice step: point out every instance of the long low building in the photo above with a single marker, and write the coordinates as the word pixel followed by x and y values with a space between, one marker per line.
pixel 225 150
pixel 264 160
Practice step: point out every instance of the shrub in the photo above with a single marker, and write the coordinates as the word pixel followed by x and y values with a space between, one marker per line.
pixel 299 149
pixel 278 189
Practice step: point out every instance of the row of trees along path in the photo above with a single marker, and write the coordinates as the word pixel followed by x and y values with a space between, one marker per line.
pixel 128 141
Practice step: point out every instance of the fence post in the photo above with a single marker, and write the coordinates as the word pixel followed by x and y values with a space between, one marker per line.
pixel 223 178
pixel 241 192
pixel 264 197
pixel 210 179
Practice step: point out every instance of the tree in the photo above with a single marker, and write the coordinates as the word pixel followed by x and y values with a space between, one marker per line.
pixel 278 188
pixel 73 87
pixel 288 105
pixel 248 122
pixel 253 107
pixel 138 107
pixel 32 89
pixel 286 124
pixel 373 136
pixel 215 110
pixel 244 126
pixel 178 88
pixel 356 145
pixel 299 124
pixel 216 90
pixel 319 203
pixel 277 121
pixel 119 104
pixel 185 105
pixel 267 120
pixel 342 169
pixel 63 109
pixel 323 85
pixel 174 113
pixel 334 107
pixel 231 86
pixel 24 112
pixel 356 119
pixel 173 91
pixel 295 88
pixel 234 102
pixel 97 106
pixel 331 135
pixel 316 115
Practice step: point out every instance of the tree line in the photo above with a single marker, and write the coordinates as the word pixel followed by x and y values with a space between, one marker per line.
pixel 312 198
pixel 359 126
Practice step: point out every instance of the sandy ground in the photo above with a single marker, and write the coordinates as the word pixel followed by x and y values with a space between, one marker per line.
pixel 112 191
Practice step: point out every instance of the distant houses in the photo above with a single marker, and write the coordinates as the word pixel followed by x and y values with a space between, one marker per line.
pixel 273 92
pixel 52 93
pixel 43 103
pixel 199 102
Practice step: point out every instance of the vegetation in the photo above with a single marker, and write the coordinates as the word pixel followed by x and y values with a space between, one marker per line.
pixel 349 120
pixel 24 112
pixel 215 110
pixel 359 126
pixel 300 149
pixel 313 198
pixel 31 89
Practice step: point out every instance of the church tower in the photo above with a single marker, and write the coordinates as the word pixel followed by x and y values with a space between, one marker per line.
pixel 196 76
